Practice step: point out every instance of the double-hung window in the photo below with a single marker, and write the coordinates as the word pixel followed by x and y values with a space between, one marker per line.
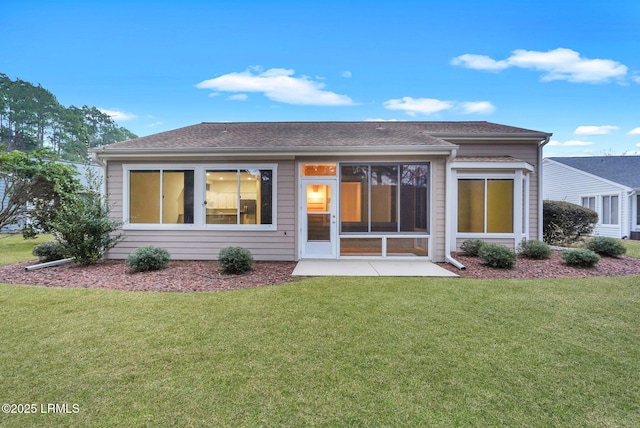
pixel 610 209
pixel 589 202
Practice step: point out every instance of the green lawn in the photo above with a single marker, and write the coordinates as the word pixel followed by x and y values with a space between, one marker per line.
pixel 329 352
pixel 14 248
pixel 633 248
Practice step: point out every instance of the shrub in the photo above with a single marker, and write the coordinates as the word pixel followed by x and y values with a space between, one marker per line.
pixel 235 260
pixel 148 258
pixel 608 247
pixel 471 247
pixel 580 257
pixel 49 251
pixel 497 256
pixel 565 223
pixel 534 249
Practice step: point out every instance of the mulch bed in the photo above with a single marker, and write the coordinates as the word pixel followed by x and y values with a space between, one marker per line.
pixel 192 276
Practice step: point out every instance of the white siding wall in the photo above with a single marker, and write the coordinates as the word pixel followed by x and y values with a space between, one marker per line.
pixel 562 183
pixel 278 245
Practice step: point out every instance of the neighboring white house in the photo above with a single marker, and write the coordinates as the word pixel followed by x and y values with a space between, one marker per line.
pixel 610 185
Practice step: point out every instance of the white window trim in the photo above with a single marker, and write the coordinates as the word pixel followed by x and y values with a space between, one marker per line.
pixel 520 184
pixel 199 208
pixel 601 211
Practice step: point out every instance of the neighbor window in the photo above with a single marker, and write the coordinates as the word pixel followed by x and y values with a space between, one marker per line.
pixel 485 205
pixel 239 196
pixel 161 196
pixel 610 210
pixel 589 202
pixel 638 210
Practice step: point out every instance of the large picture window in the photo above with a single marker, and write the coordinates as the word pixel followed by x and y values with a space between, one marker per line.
pixel 200 196
pixel 485 205
pixel 384 198
pixel 161 197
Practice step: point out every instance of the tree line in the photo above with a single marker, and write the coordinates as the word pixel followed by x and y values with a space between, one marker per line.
pixel 31 118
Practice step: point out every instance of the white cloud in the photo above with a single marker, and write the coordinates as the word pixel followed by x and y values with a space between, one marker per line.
pixel 427 106
pixel 346 74
pixel 238 97
pixel 118 115
pixel 381 120
pixel 557 64
pixel 571 143
pixel 479 62
pixel 414 106
pixel 277 84
pixel 635 131
pixel 477 107
pixel 595 130
pixel 154 124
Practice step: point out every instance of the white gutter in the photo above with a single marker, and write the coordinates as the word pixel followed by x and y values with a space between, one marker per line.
pixel 540 184
pixel 447 212
pixel 103 164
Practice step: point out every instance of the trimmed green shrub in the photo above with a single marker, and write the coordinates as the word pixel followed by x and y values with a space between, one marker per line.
pixel 148 258
pixel 608 247
pixel 471 247
pixel 534 249
pixel 49 251
pixel 565 223
pixel 497 256
pixel 580 257
pixel 235 260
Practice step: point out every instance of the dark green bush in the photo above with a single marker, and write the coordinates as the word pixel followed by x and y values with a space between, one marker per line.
pixel 534 249
pixel 565 223
pixel 471 247
pixel 235 260
pixel 148 258
pixel 580 257
pixel 608 247
pixel 49 251
pixel 497 256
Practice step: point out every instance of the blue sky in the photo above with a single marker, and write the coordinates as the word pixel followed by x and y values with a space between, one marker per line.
pixel 566 67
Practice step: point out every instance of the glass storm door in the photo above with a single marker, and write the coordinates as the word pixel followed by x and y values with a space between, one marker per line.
pixel 319 230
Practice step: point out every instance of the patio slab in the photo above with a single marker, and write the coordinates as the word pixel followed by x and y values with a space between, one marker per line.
pixel 342 267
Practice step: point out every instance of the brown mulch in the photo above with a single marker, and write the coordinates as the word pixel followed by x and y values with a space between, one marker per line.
pixel 192 276
pixel 552 267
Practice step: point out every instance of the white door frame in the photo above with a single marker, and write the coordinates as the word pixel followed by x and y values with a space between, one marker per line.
pixel 327 249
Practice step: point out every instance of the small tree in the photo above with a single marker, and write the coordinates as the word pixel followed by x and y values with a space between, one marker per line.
pixel 565 223
pixel 84 227
pixel 35 187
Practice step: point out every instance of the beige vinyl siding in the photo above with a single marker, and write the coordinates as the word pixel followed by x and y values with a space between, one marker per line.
pixel 527 152
pixel 276 245
pixel 438 198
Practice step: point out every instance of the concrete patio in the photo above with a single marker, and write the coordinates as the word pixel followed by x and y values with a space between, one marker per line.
pixel 342 267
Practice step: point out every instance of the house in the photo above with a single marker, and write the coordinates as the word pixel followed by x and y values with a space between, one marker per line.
pixel 610 185
pixel 288 191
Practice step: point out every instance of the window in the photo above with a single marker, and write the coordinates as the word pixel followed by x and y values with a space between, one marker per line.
pixel 638 210
pixel 589 202
pixel 239 196
pixel 161 197
pixel 610 210
pixel 172 196
pixel 485 205
pixel 384 198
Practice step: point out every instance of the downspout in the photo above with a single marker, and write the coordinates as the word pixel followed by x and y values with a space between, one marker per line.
pixel 447 212
pixel 540 184
pixel 103 165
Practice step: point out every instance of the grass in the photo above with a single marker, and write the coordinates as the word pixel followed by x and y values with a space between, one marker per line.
pixel 14 248
pixel 633 248
pixel 328 352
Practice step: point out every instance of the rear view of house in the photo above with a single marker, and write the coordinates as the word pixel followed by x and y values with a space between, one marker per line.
pixel 288 191
pixel 609 185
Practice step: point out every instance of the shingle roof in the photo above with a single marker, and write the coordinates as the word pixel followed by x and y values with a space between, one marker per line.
pixel 624 170
pixel 265 135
